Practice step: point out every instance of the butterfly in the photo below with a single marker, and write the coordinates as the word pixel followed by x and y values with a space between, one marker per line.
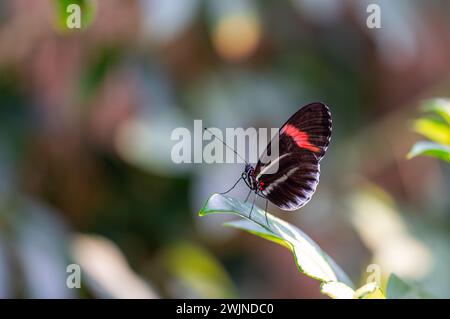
pixel 302 142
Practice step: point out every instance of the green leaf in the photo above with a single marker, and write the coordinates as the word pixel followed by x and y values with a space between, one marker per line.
pixel 369 291
pixel 435 130
pixel 95 73
pixel 439 106
pixel 87 13
pixel 430 149
pixel 337 290
pixel 310 259
pixel 399 289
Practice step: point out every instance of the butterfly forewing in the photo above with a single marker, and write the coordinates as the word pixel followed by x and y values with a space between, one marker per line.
pixel 310 128
pixel 289 179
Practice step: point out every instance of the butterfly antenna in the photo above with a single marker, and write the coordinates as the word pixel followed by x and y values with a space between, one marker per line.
pixel 206 129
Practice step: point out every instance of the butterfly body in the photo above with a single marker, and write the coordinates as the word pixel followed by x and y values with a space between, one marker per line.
pixel 249 177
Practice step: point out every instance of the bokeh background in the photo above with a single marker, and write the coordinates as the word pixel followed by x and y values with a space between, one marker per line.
pixel 86 117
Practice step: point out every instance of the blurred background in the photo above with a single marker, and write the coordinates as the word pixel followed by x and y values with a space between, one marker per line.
pixel 86 117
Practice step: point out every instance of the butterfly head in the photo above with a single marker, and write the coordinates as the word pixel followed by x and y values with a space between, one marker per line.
pixel 249 177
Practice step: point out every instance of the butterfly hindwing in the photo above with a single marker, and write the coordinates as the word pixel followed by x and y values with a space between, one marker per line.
pixel 295 182
pixel 291 178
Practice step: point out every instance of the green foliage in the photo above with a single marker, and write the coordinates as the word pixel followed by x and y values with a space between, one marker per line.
pixel 430 149
pixel 87 8
pixel 310 259
pixel 440 106
pixel 94 74
pixel 197 271
pixel 399 289
pixel 308 256
pixel 337 290
pixel 436 128
pixel 369 291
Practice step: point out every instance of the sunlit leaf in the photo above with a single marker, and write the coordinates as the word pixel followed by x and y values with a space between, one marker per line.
pixel 430 149
pixel 435 130
pixel 337 290
pixel 440 106
pixel 310 259
pixel 106 272
pixel 384 231
pixel 399 289
pixel 369 291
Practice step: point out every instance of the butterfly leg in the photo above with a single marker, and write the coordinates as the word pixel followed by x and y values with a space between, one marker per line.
pixel 265 214
pixel 232 187
pixel 248 195
pixel 253 204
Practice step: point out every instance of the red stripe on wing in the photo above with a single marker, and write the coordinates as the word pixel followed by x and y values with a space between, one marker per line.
pixel 300 138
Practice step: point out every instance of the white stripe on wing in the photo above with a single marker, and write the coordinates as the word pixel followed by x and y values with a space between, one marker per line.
pixel 272 163
pixel 278 181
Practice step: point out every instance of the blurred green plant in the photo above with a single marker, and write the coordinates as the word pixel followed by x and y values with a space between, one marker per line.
pixel 197 273
pixel 87 8
pixel 399 289
pixel 310 259
pixel 435 127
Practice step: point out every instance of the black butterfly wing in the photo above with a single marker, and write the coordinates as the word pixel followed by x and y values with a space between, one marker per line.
pixel 294 183
pixel 290 179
